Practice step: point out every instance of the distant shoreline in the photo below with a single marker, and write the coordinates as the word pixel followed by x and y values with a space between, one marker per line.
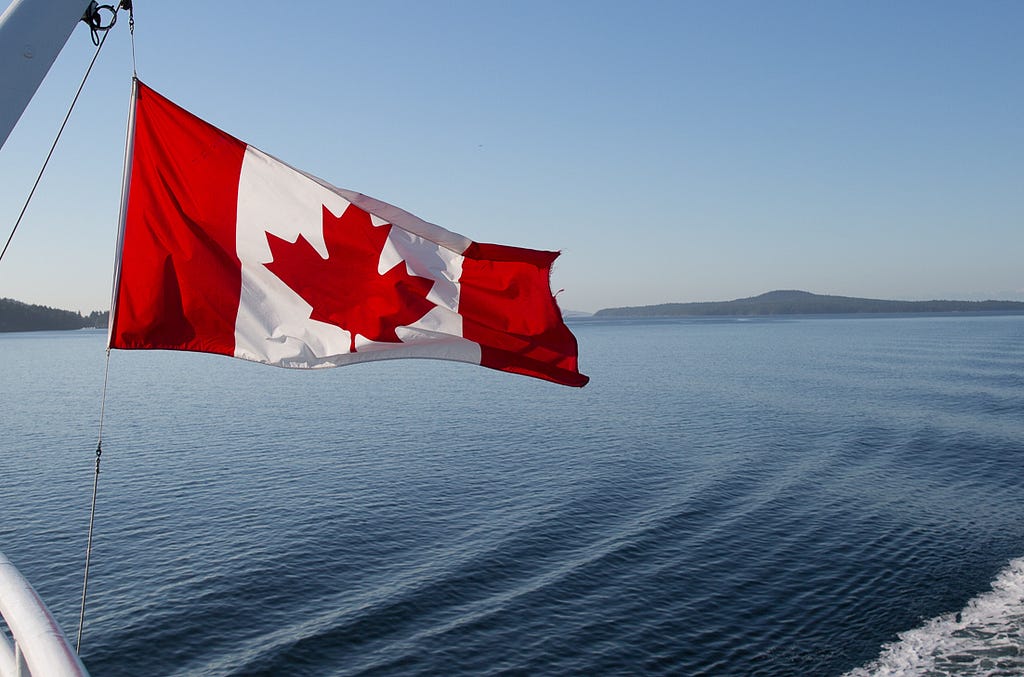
pixel 784 317
pixel 793 303
pixel 16 316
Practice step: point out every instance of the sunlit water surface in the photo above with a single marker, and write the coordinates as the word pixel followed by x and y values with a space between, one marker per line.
pixel 809 496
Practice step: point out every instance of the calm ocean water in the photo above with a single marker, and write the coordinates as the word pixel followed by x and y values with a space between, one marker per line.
pixel 811 496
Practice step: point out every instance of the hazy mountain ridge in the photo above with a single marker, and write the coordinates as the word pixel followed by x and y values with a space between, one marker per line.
pixel 795 302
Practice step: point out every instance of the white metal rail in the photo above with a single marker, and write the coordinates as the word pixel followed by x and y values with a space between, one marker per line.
pixel 40 647
pixel 32 33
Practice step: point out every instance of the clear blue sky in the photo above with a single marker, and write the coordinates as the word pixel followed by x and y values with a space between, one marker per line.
pixel 674 151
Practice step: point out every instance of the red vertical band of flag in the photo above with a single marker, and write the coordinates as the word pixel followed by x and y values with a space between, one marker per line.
pixel 180 280
pixel 507 308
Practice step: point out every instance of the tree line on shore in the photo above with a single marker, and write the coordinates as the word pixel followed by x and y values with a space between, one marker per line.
pixel 19 316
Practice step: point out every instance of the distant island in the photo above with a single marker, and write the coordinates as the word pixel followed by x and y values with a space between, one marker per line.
pixel 793 302
pixel 18 316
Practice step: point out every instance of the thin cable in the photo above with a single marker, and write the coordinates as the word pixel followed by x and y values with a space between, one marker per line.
pixel 54 146
pixel 131 32
pixel 106 370
pixel 92 511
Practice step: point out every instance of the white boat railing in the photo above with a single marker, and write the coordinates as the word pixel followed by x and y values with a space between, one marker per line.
pixel 37 645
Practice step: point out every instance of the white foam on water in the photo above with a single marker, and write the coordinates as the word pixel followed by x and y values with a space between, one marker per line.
pixel 986 637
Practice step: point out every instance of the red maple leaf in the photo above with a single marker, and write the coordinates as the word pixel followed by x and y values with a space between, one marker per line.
pixel 345 289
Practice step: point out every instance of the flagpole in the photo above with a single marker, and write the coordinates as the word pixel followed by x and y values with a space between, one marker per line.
pixel 126 178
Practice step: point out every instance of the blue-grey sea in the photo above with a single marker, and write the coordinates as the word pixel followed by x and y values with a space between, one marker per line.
pixel 801 496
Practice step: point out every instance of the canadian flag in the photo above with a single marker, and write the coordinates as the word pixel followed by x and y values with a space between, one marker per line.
pixel 225 249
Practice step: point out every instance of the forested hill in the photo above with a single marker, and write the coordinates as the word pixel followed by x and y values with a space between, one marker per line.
pixel 18 316
pixel 789 302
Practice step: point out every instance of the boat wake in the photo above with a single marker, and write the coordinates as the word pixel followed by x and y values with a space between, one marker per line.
pixel 983 638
